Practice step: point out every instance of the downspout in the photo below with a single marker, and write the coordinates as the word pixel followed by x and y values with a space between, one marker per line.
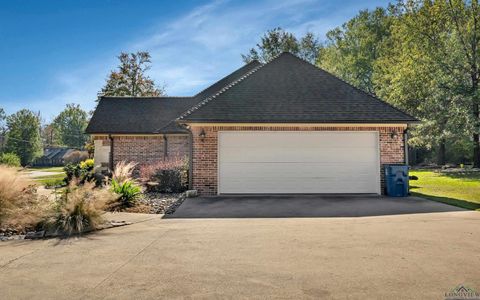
pixel 405 145
pixel 111 152
pixel 165 147
pixel 190 156
pixel 190 160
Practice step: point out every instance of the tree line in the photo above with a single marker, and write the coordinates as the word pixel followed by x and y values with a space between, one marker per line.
pixel 421 56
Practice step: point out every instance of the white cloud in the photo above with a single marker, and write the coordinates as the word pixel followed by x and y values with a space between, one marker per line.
pixel 199 47
pixel 205 44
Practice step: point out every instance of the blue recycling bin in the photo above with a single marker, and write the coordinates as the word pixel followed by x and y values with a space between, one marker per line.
pixel 396 180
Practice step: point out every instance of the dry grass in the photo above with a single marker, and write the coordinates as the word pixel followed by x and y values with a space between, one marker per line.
pixel 123 171
pixel 81 208
pixel 20 206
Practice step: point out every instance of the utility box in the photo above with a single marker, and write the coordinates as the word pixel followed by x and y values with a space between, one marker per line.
pixel 396 180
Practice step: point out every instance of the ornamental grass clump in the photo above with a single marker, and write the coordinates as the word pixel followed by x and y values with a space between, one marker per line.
pixel 81 208
pixel 123 171
pixel 21 208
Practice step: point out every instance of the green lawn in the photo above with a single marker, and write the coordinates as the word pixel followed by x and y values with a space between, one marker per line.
pixel 52 180
pixel 45 169
pixel 459 189
pixel 55 179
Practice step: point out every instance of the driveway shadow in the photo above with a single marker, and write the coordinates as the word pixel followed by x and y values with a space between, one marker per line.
pixel 298 206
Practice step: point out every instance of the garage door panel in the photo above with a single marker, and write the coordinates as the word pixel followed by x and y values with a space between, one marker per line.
pixel 307 186
pixel 298 162
pixel 265 154
pixel 306 139
pixel 289 170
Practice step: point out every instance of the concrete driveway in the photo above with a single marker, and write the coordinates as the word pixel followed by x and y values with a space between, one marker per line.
pixel 405 256
pixel 301 206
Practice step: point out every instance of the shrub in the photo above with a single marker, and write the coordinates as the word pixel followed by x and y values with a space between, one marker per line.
pixel 81 208
pixel 128 192
pixel 87 164
pixel 10 159
pixel 83 171
pixel 75 157
pixel 20 205
pixel 123 171
pixel 171 175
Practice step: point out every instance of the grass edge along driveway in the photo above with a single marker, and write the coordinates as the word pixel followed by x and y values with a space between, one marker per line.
pixel 459 189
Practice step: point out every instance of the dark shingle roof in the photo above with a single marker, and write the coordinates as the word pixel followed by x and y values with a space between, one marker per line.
pixel 138 115
pixel 129 115
pixel 290 90
pixel 217 86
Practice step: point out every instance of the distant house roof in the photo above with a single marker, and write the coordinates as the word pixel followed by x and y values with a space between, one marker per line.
pixel 284 90
pixel 291 90
pixel 55 152
pixel 53 156
pixel 131 115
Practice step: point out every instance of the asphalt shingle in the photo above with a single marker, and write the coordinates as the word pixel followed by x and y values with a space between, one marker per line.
pixel 130 115
pixel 291 90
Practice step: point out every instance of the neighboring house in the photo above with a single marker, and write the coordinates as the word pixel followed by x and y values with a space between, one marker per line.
pixel 53 157
pixel 281 127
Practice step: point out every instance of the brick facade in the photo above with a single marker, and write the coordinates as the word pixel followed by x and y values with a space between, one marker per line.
pixel 205 149
pixel 148 148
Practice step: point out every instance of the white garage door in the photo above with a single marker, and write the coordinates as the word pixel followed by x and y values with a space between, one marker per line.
pixel 298 162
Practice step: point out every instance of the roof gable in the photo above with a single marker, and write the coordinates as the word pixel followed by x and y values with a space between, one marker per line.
pixel 130 115
pixel 152 115
pixel 291 90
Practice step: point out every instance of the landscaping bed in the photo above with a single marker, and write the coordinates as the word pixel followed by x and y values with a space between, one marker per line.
pixel 28 210
pixel 159 203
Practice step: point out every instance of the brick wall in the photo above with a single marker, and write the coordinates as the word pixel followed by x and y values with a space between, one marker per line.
pixel 178 146
pixel 146 149
pixel 140 149
pixel 205 150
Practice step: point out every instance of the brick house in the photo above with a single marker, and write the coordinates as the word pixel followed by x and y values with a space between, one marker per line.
pixel 281 127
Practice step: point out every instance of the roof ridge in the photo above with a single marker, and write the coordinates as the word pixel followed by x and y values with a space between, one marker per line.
pixel 233 83
pixel 145 97
pixel 253 61
pixel 356 88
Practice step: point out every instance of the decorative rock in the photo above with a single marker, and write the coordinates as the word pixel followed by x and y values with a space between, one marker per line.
pixel 151 186
pixel 191 193
pixel 119 223
pixel 162 203
pixel 35 235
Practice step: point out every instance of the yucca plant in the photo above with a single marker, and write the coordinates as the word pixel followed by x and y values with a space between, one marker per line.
pixel 128 192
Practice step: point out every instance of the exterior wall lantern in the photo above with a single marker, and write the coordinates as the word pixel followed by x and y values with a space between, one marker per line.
pixel 394 134
pixel 202 135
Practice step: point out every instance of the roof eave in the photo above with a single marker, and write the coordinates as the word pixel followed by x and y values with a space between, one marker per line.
pixel 407 121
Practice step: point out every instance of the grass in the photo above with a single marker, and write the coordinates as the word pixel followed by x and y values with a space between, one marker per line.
pixel 52 180
pixel 459 189
pixel 45 169
pixel 49 180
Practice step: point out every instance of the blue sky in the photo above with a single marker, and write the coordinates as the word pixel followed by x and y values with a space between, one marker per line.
pixel 58 52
